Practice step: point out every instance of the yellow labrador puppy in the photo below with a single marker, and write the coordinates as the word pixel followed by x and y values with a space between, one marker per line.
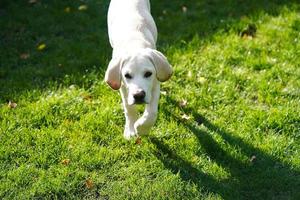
pixel 136 67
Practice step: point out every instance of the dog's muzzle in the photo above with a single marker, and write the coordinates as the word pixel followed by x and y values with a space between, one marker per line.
pixel 139 98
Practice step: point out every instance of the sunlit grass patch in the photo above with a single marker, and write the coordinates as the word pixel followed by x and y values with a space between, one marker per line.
pixel 228 124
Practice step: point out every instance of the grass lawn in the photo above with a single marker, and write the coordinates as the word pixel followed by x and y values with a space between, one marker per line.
pixel 229 119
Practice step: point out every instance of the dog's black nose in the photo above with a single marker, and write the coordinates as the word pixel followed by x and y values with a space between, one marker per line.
pixel 139 97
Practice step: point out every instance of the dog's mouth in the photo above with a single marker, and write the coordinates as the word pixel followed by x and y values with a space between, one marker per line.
pixel 139 102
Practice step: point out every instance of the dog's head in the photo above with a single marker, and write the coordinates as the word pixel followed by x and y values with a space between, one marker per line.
pixel 137 73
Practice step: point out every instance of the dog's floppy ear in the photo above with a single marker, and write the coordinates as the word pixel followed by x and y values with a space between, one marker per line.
pixel 163 68
pixel 113 73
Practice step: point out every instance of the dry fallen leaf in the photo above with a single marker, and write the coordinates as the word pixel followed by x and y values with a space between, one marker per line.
pixel 163 92
pixel 244 18
pixel 138 141
pixel 87 97
pixel 41 47
pixel 32 1
pixel 249 32
pixel 190 74
pixel 24 56
pixel 67 9
pixel 252 159
pixel 12 104
pixel 183 103
pixel 89 184
pixel 202 80
pixel 185 116
pixel 65 162
pixel 82 7
pixel 245 36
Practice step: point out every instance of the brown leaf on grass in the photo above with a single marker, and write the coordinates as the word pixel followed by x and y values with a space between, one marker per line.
pixel 190 74
pixel 247 37
pixel 163 92
pixel 202 80
pixel 252 159
pixel 32 1
pixel 183 103
pixel 185 117
pixel 89 184
pixel 67 9
pixel 138 141
pixel 65 162
pixel 87 97
pixel 249 32
pixel 82 7
pixel 244 18
pixel 24 56
pixel 41 47
pixel 12 104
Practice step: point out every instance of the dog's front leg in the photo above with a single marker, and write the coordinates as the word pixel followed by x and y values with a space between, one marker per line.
pixel 131 115
pixel 146 121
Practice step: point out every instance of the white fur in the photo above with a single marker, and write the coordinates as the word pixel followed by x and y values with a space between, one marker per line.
pixel 133 34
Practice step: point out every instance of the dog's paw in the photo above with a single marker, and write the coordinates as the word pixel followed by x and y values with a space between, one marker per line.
pixel 141 127
pixel 128 133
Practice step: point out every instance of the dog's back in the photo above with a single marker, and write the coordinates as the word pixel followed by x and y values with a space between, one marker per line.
pixel 130 25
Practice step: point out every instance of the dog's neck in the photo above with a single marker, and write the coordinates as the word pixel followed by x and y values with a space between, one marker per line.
pixel 131 26
pixel 132 46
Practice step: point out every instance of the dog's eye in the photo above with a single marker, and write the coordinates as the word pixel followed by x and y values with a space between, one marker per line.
pixel 128 76
pixel 147 74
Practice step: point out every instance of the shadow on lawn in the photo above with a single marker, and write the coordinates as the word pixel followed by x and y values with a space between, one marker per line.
pixel 77 41
pixel 265 177
pixel 181 20
pixel 76 45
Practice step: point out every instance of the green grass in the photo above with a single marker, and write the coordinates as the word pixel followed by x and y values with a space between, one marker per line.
pixel 239 139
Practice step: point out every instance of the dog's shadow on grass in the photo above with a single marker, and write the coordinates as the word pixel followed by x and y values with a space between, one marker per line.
pixel 261 176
